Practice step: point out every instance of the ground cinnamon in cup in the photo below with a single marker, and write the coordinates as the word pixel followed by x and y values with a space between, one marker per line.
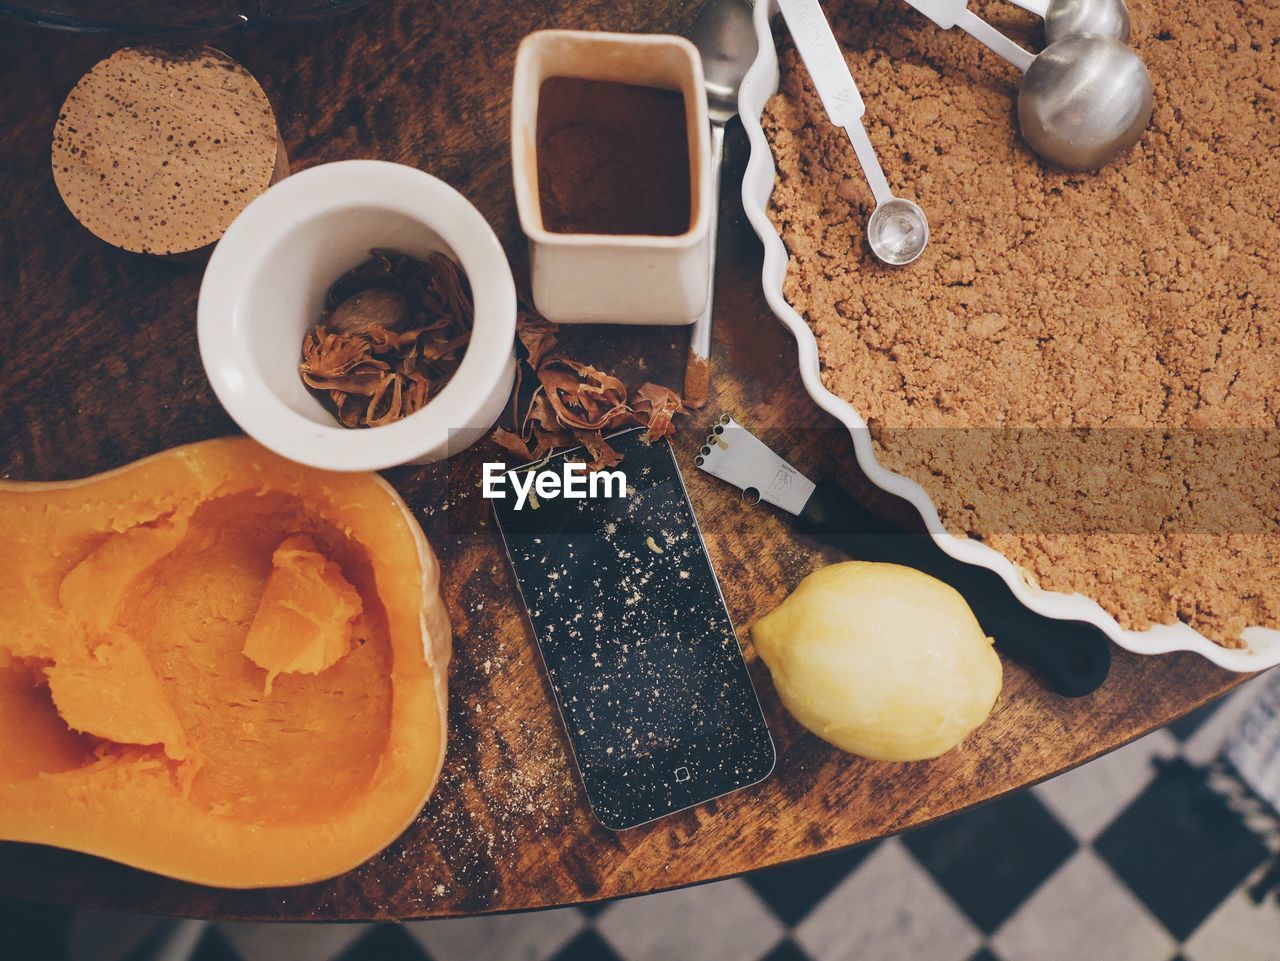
pixel 613 158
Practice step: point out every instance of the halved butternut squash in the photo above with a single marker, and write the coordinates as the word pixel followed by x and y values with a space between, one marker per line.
pixel 218 665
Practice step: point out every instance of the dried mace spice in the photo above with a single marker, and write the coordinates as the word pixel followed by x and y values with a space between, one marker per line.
pixel 569 403
pixel 392 335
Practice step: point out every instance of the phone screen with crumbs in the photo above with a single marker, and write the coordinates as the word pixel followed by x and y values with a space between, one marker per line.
pixel 636 639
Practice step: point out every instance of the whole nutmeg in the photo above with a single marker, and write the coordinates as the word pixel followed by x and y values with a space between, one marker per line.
pixel 375 307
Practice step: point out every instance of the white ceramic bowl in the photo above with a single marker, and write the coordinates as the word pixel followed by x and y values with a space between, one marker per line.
pixel 757 187
pixel 264 289
pixel 613 278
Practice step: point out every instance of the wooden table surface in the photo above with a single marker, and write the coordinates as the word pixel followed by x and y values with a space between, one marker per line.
pixel 99 366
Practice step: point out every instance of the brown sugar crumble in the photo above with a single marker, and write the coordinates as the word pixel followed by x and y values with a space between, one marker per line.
pixel 1096 357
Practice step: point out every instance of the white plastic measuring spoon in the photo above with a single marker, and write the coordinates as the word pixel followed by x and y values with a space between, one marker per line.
pixel 956 13
pixel 897 230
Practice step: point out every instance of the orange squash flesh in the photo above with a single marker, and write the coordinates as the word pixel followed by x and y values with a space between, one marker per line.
pixel 306 620
pixel 218 665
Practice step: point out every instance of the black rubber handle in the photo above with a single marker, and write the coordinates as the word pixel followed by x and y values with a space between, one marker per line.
pixel 1073 657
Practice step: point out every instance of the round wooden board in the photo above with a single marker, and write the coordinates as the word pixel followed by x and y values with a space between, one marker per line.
pixel 156 151
pixel 100 367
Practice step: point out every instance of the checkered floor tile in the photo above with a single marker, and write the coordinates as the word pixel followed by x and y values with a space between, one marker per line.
pixel 1162 851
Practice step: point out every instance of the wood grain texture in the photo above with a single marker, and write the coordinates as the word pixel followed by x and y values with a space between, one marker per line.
pixel 99 366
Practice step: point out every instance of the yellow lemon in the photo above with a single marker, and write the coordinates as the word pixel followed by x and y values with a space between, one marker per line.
pixel 881 660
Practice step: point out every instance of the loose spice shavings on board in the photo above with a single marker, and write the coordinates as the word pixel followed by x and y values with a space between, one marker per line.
pixel 559 402
pixel 392 336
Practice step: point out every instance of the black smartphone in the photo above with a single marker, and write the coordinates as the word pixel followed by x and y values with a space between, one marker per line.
pixel 634 632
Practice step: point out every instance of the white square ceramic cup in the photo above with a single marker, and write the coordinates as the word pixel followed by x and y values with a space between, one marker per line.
pixel 613 278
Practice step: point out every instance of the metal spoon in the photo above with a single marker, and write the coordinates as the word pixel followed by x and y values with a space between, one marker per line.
pixel 726 39
pixel 897 230
pixel 1084 100
pixel 1070 18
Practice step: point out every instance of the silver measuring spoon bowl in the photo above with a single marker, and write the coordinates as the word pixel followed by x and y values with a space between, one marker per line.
pixel 897 231
pixel 1069 18
pixel 1084 101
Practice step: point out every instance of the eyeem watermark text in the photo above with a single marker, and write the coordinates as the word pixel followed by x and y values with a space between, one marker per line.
pixel 572 480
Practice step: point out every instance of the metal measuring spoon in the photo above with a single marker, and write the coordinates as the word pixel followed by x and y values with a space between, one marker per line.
pixel 897 230
pixel 1070 18
pixel 726 40
pixel 1084 100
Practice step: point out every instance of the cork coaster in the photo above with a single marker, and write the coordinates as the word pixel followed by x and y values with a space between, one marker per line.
pixel 156 152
